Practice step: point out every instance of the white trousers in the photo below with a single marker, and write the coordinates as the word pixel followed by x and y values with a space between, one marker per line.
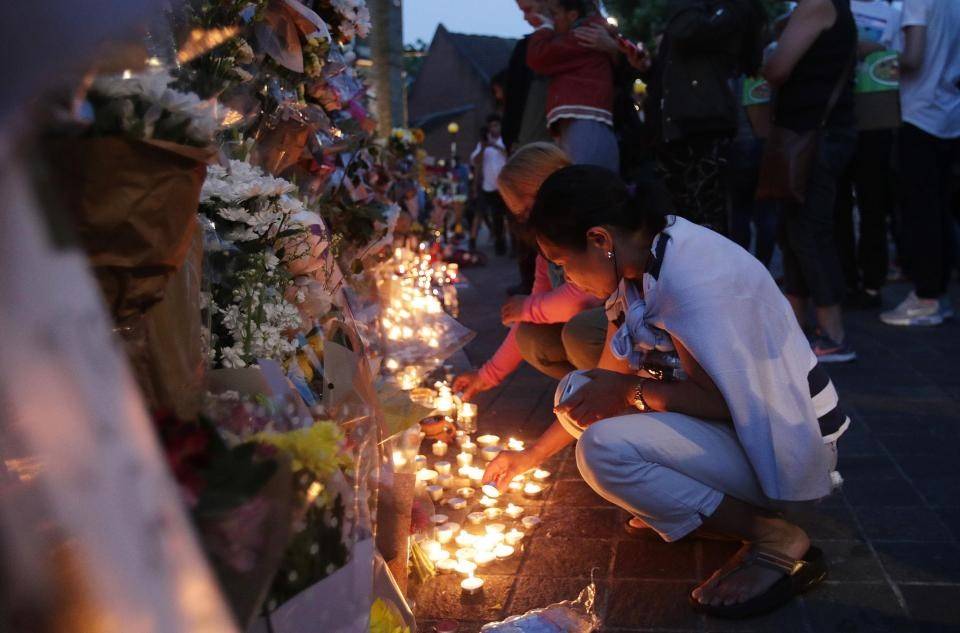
pixel 668 469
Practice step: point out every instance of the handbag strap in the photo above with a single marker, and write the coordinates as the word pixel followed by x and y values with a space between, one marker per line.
pixel 838 89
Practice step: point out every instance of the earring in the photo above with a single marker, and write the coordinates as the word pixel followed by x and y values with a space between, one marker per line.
pixel 609 254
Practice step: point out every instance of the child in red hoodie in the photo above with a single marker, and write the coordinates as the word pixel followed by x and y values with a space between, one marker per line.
pixel 580 96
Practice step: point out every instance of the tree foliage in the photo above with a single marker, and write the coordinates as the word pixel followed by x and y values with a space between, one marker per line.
pixel 642 20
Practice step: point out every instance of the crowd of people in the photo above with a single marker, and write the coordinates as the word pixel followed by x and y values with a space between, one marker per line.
pixel 691 379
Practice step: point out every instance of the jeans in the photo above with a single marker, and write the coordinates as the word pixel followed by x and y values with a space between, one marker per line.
pixel 870 175
pixel 589 142
pixel 811 261
pixel 927 227
pixel 556 349
pixel 742 174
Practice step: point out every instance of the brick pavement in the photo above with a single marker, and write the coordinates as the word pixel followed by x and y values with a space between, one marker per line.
pixel 891 535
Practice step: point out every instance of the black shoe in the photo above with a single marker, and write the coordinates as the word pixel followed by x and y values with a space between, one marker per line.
pixel 865 299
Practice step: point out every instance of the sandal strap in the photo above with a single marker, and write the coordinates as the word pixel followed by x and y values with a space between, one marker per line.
pixel 775 561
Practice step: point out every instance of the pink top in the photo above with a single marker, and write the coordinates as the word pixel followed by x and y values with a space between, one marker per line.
pixel 546 304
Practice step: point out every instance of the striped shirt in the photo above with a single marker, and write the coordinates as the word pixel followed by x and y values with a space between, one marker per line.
pixel 826 405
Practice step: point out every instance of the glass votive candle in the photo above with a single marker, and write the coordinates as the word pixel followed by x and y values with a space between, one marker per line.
pixel 443 467
pixel 488 440
pixel 439 448
pixel 464 459
pixel 457 504
pixel 435 492
pixel 488 453
pixel 513 511
pixel 513 537
pixel 468 417
pixel 475 518
pixel 493 513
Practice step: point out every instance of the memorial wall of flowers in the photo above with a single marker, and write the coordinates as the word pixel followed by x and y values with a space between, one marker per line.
pixel 239 214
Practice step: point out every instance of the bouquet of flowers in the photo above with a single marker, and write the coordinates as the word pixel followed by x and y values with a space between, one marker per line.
pixel 403 140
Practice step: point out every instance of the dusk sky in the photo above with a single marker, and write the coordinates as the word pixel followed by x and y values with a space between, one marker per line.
pixel 486 17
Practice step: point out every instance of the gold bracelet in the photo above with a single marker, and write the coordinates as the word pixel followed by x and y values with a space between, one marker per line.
pixel 638 400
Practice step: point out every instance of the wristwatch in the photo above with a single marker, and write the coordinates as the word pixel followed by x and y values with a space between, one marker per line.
pixel 638 400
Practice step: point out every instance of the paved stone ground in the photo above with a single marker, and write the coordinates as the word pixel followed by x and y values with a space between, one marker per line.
pixel 891 535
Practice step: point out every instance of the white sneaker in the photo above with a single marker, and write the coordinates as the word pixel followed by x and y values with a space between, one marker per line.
pixel 914 311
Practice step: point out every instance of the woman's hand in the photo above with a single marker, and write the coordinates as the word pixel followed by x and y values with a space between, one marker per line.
pixel 607 395
pixel 470 384
pixel 512 309
pixel 596 37
pixel 507 465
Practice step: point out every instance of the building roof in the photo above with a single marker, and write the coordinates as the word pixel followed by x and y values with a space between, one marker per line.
pixel 486 53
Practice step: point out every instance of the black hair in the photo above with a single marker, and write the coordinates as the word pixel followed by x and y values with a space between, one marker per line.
pixel 576 198
pixel 494 118
pixel 583 7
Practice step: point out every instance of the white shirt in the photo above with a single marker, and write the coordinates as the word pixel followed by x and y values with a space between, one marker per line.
pixel 493 162
pixel 878 21
pixel 930 97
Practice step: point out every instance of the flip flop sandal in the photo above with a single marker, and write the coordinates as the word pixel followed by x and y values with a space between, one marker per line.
pixel 799 577
pixel 634 530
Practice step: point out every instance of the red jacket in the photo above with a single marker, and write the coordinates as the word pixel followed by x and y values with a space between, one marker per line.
pixel 581 79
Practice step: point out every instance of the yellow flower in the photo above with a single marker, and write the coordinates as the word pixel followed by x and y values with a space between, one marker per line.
pixel 318 449
pixel 385 618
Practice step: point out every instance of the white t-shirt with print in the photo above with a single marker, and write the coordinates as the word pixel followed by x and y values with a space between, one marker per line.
pixel 930 97
pixel 494 158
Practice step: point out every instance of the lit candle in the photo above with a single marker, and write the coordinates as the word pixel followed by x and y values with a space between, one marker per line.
pixel 439 555
pixel 471 586
pixel 516 486
pixel 435 491
pixel 399 461
pixel 488 502
pixel 447 565
pixel 464 539
pixel 442 467
pixel 439 448
pixel 444 404
pixel 464 459
pixel 447 481
pixel 468 416
pixel 513 511
pixel 445 533
pixel 488 440
pixel 475 518
pixel 466 493
pixel 513 537
pixel 420 461
pixel 532 490
pixel 485 557
pixel 493 513
pixel 530 522
pixel 427 476
pixel 469 446
pixel 466 567
pixel 476 476
pixel 503 551
pixel 457 504
pixel 439 518
pixel 496 528
pixel 514 444
pixel 466 553
pixel 490 490
pixel 541 475
pixel 488 453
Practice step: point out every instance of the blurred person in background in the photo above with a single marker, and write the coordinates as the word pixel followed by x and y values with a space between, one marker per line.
pixel 488 159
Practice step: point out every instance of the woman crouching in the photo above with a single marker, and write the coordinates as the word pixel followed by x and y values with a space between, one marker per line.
pixel 749 429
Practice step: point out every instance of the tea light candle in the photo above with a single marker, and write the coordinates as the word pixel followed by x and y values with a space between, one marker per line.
pixel 469 446
pixel 439 448
pixel 471 585
pixel 503 551
pixel 420 462
pixel 466 493
pixel 447 565
pixel 488 453
pixel 513 537
pixel 488 502
pixel 530 522
pixel 457 504
pixel 466 567
pixel 514 444
pixel 445 533
pixel 444 404
pixel 532 490
pixel 427 476
pixel 464 459
pixel 439 555
pixel 541 475
pixel 435 492
pixel 466 553
pixel 475 518
pixel 407 381
pixel 488 440
pixel 464 539
pixel 514 512
pixel 446 481
pixel 439 518
pixel 442 467
pixel 496 528
pixel 515 486
pixel 485 557
pixel 476 476
pixel 493 513
pixel 490 490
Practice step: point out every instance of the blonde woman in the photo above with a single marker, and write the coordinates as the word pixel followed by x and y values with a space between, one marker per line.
pixel 558 327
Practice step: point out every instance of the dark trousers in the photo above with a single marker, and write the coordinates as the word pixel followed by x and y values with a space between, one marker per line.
pixel 692 170
pixel 492 211
pixel 870 175
pixel 811 262
pixel 742 174
pixel 927 225
pixel 526 263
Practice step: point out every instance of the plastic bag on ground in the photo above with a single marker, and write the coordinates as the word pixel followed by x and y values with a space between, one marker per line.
pixel 569 616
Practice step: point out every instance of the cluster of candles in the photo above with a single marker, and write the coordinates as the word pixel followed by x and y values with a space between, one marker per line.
pixel 485 537
pixel 418 289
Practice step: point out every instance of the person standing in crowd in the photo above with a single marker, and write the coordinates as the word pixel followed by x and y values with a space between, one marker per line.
pixel 580 94
pixel 554 328
pixel 488 159
pixel 929 142
pixel 869 176
pixel 692 109
pixel 524 122
pixel 810 67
